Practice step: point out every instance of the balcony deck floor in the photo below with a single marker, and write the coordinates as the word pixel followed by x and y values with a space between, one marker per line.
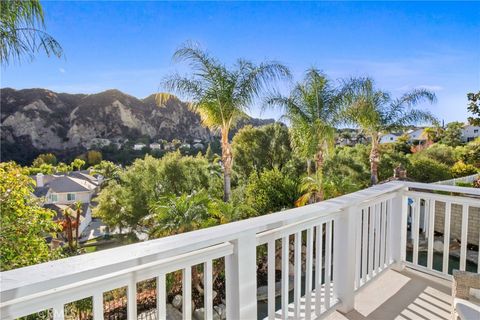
pixel 406 295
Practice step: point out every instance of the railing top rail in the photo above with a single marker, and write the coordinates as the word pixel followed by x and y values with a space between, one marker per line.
pixel 25 281
pixel 441 187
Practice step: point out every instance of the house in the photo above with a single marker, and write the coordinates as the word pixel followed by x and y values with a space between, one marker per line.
pixel 470 133
pixel 185 146
pixel 416 135
pixel 61 191
pixel 155 146
pixel 198 146
pixel 139 146
pixel 85 213
pixel 388 138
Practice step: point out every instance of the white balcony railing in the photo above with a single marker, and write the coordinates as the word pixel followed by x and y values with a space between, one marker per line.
pixel 352 239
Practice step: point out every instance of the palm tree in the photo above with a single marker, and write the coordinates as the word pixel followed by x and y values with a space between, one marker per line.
pixel 174 214
pixel 78 211
pixel 313 109
pixel 221 96
pixel 376 112
pixel 22 31
pixel 67 226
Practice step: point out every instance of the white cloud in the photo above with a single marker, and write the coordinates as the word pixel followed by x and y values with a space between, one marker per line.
pixel 61 70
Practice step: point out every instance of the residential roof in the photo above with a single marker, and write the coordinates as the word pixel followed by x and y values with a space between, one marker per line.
pixel 75 181
pixel 60 208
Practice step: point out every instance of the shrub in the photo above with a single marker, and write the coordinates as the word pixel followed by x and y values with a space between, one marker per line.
pixel 428 170
pixel 460 169
pixel 438 152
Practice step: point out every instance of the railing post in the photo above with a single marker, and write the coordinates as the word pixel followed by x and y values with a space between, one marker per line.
pixel 241 278
pixel 398 231
pixel 344 258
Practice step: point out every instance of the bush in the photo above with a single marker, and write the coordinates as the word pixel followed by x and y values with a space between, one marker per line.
pixel 428 170
pixel 460 169
pixel 438 152
pixel 271 191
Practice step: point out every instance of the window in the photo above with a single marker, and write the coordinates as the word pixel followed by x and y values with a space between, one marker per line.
pixel 70 196
pixel 53 197
pixel 475 131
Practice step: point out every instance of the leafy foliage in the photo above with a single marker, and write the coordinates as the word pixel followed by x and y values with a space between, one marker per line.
pixel 25 224
pixel 452 136
pixel 460 169
pixel 428 170
pixel 22 31
pixel 262 148
pixel 45 158
pixel 474 108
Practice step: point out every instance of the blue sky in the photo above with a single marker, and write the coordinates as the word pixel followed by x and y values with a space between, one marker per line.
pixel 128 45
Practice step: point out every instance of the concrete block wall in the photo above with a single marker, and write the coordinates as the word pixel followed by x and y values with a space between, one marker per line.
pixel 473 233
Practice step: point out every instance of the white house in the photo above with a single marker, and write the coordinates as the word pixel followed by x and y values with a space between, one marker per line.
pixel 155 146
pixel 470 133
pixel 416 135
pixel 60 192
pixel 388 138
pixel 138 146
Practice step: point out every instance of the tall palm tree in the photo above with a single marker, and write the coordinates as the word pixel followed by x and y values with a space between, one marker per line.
pixel 313 109
pixel 376 112
pixel 22 31
pixel 221 96
pixel 78 212
pixel 67 226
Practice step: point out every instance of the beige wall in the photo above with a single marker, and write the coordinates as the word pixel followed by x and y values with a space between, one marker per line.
pixel 456 222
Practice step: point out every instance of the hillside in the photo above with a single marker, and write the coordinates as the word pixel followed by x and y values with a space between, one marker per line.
pixel 39 120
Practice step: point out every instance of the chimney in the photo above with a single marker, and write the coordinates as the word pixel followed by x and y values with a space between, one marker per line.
pixel 399 173
pixel 39 179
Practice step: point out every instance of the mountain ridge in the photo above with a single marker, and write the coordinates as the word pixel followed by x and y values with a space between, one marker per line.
pixel 40 120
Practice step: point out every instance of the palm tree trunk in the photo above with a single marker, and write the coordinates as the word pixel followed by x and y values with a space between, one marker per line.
pixel 227 159
pixel 374 160
pixel 319 161
pixel 77 226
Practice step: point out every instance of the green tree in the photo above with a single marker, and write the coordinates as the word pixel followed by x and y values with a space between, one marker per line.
pixel 174 214
pixel 428 170
pixel 271 191
pixel 22 31
pixel 376 112
pixel 62 167
pixel 220 95
pixel 209 153
pixel 470 153
pixel 25 224
pixel 44 158
pixel 452 136
pixel 261 148
pixel 77 164
pixel 474 108
pixel 126 202
pixel 93 157
pixel 107 169
pixel 438 152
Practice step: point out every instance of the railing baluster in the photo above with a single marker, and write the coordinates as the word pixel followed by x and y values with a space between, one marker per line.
pixel 446 237
pixel 297 288
pixel 378 209
pixel 161 297
pixel 308 277
pixel 364 245
pixel 318 268
pixel 370 242
pixel 431 234
pixel 208 289
pixel 271 279
pixel 383 215
pixel 388 216
pixel 98 306
pixel 59 312
pixel 285 279
pixel 415 229
pixel 478 254
pixel 328 262
pixel 132 299
pixel 464 239
pixel 187 293
pixel 358 248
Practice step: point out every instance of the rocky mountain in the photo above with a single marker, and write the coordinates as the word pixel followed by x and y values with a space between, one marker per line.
pixel 39 120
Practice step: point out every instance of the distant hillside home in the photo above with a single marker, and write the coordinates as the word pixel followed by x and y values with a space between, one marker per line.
pixel 198 146
pixel 139 146
pixel 61 191
pixel 416 135
pixel 155 146
pixel 470 133
pixel 388 138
